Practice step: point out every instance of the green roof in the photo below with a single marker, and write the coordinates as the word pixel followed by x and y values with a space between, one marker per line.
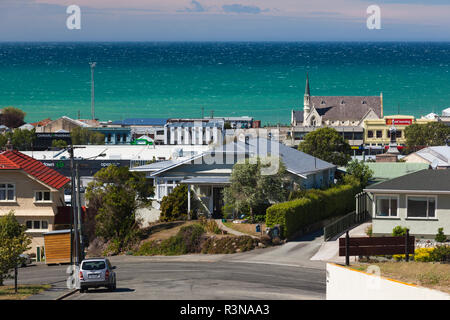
pixel 390 170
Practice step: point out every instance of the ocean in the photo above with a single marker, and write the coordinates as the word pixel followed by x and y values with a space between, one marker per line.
pixel 262 80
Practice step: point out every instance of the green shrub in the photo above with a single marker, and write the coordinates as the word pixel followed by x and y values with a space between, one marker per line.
pixel 210 225
pixel 369 231
pixel 399 231
pixel 175 205
pixel 187 240
pixel 441 254
pixel 440 236
pixel 315 206
pixel 227 245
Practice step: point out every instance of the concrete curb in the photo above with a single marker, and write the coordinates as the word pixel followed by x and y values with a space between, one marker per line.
pixel 67 294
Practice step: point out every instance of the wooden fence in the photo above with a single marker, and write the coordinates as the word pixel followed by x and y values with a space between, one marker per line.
pixel 376 246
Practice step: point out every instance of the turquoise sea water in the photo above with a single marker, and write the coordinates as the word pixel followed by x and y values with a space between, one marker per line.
pixel 263 80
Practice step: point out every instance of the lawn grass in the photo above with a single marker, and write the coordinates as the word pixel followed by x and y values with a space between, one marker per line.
pixel 247 228
pixel 425 274
pixel 23 292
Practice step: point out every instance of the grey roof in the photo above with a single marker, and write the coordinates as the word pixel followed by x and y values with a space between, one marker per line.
pixel 207 180
pixel 344 108
pixel 296 162
pixel 424 180
pixel 298 115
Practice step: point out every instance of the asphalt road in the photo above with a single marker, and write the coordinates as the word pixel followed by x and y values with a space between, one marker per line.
pixel 282 272
pixel 164 279
pixel 211 280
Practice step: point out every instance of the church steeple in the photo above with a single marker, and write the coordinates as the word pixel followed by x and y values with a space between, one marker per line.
pixel 307 85
pixel 306 100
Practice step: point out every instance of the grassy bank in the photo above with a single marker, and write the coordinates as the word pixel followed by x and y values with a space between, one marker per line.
pixel 24 291
pixel 426 274
pixel 247 228
pixel 200 237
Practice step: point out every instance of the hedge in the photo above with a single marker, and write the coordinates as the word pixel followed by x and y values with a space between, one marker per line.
pixel 315 206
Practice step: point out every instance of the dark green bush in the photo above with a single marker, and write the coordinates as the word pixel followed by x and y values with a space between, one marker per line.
pixel 399 231
pixel 187 240
pixel 175 205
pixel 441 254
pixel 315 206
pixel 230 244
pixel 440 236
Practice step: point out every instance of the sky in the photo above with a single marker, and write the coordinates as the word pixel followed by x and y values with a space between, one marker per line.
pixel 225 20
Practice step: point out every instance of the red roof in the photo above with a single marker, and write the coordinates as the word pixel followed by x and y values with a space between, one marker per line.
pixel 17 160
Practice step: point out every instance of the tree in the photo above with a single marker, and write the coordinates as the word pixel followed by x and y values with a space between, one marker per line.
pixel 327 144
pixel 81 135
pixel 118 193
pixel 251 189
pixel 12 117
pixel 426 135
pixel 20 139
pixel 175 205
pixel 59 143
pixel 13 242
pixel 360 171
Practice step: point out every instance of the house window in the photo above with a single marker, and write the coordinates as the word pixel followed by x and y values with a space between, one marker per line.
pixel 379 134
pixel 37 224
pixel 386 206
pixel 421 207
pixel 370 134
pixel 313 121
pixel 7 192
pixel 42 196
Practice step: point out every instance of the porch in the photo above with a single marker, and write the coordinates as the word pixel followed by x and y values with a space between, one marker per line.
pixel 209 192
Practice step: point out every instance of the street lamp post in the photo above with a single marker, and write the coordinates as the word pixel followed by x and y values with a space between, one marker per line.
pixel 92 64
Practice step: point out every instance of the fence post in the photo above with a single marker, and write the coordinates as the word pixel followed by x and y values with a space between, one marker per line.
pixel 407 245
pixel 347 249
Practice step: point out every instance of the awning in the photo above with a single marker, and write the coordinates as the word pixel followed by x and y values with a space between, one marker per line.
pixel 207 180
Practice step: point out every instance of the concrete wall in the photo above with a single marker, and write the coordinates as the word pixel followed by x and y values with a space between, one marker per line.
pixel 422 228
pixel 346 284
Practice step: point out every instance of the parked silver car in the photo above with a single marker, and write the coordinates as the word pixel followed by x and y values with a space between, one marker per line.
pixel 95 273
pixel 24 260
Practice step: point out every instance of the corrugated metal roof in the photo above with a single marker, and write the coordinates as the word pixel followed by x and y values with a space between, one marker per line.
pixel 386 170
pixel 142 122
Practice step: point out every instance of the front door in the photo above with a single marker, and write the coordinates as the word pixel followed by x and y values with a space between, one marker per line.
pixel 217 203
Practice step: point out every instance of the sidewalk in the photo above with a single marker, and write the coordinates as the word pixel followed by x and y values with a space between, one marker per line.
pixel 329 250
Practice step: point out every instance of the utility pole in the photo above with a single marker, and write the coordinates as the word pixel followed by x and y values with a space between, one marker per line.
pixel 74 216
pixel 203 112
pixel 79 213
pixel 92 64
pixel 72 211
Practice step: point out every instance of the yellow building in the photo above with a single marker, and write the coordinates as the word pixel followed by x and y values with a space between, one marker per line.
pixel 376 132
